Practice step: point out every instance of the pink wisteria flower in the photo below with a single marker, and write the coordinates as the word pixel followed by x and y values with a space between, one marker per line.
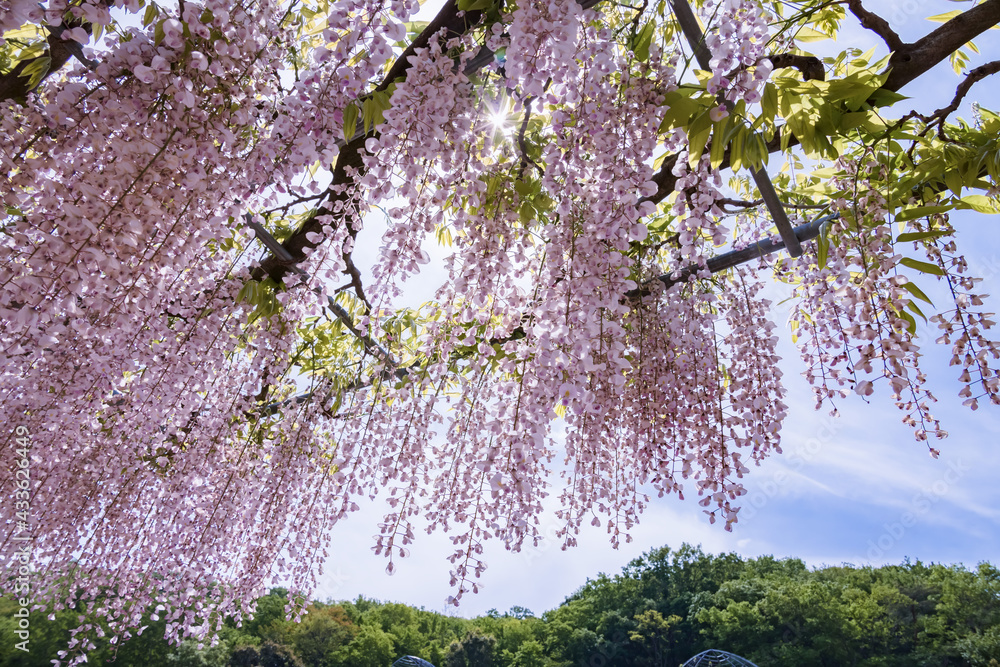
pixel 202 415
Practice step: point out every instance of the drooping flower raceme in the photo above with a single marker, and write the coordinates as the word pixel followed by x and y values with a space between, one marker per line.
pixel 200 419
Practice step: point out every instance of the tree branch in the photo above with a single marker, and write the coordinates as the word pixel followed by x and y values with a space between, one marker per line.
pixel 745 204
pixel 371 346
pixel 759 249
pixel 14 84
pixel 905 65
pixel 915 59
pixel 978 74
pixel 349 163
pixel 876 24
pixel 810 66
pixel 728 260
pixel 696 38
pixel 455 23
pixel 449 19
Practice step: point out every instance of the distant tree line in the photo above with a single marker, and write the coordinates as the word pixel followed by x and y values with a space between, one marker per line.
pixel 662 609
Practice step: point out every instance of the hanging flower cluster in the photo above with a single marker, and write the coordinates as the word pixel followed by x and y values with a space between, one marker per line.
pixel 201 420
pixel 853 318
pixel 121 351
pixel 699 227
pixel 15 13
pixel 737 47
pixel 965 327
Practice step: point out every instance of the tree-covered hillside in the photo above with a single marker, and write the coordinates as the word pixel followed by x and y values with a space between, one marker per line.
pixel 662 609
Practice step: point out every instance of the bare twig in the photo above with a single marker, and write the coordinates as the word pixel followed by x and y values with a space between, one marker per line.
pixel 978 74
pixel 371 345
pixel 744 204
pixel 940 116
pixel 356 283
pixel 294 202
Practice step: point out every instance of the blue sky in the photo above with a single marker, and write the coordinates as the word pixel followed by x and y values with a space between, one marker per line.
pixel 856 489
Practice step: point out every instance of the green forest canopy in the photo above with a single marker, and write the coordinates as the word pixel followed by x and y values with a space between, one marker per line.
pixel 663 608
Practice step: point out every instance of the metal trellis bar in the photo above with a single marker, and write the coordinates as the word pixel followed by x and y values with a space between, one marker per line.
pixel 695 37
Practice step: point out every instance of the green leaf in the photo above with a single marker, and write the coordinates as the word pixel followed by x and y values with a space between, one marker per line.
pixel 698 134
pixel 492 183
pixel 762 152
pixel 382 103
pixel 851 120
pixel 680 109
pixel 911 325
pixel 923 267
pixel 843 89
pixel 416 27
pixel 885 98
pixel 152 11
pixel 36 70
pixel 526 213
pixel 912 306
pixel 25 33
pixel 443 236
pixel 470 5
pixel 159 33
pixel 350 121
pixel 527 188
pixel 752 152
pixel 368 114
pixel 803 126
pixel 921 212
pixel 917 292
pixel 337 403
pixel 31 51
pixel 248 293
pixel 809 35
pixel 980 203
pixel 372 110
pixel 953 179
pixel 769 100
pixel 718 150
pixel 959 59
pixel 641 41
pixel 917 236
pixel 944 18
pixel 823 245
pixel 736 148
